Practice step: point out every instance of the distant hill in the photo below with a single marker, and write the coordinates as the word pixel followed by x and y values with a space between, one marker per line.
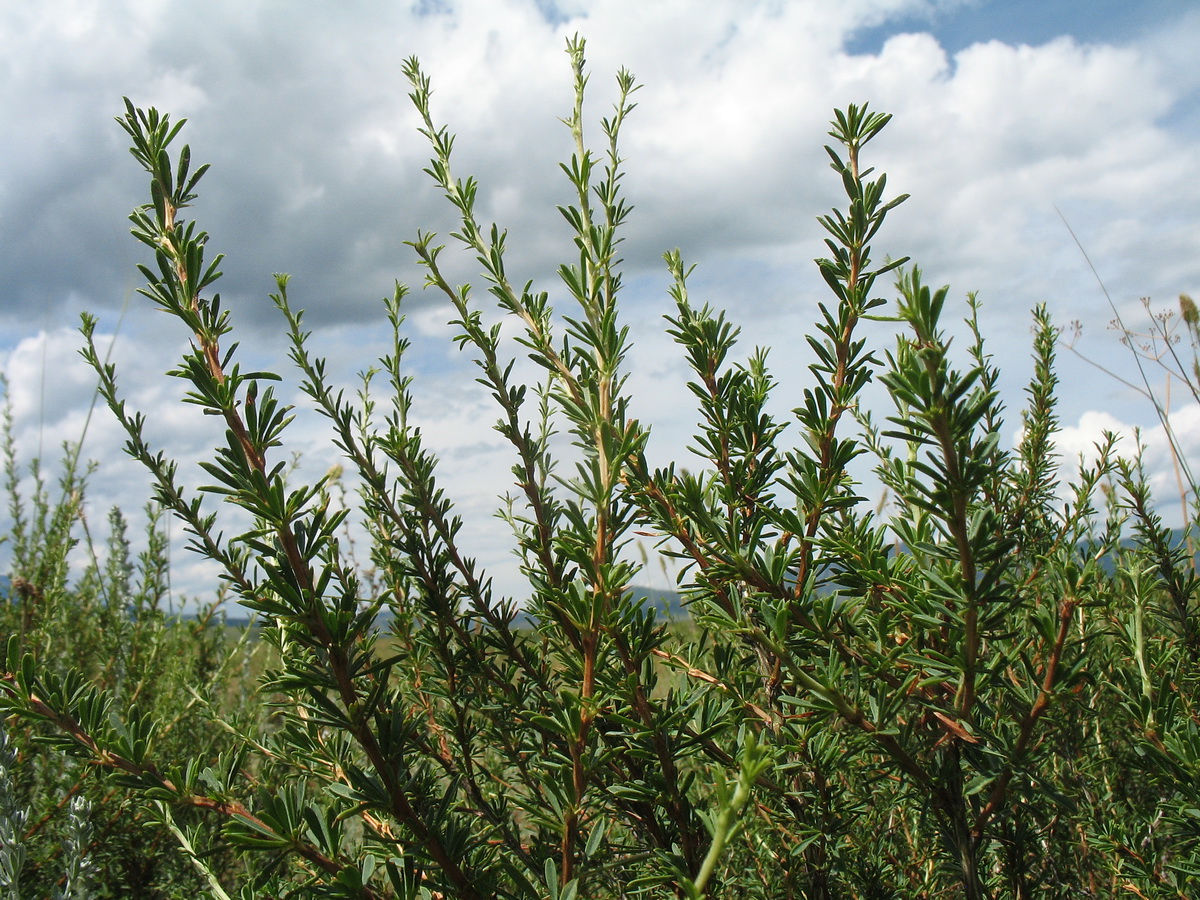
pixel 668 605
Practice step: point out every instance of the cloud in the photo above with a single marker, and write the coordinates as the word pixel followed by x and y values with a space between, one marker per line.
pixel 1079 444
pixel 317 172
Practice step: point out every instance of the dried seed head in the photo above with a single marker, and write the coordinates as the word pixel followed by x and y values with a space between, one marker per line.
pixel 1187 307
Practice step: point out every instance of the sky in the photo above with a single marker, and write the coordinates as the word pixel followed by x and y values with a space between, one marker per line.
pixel 1012 120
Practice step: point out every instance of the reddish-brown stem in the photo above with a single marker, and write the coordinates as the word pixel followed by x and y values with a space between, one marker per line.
pixel 1040 705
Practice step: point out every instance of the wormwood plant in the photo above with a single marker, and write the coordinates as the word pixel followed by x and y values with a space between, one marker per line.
pixel 110 624
pixel 863 705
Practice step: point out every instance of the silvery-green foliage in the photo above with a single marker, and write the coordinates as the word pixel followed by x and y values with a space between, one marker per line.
pixel 78 866
pixel 13 818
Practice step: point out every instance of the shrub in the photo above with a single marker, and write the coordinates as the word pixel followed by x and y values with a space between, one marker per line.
pixel 936 702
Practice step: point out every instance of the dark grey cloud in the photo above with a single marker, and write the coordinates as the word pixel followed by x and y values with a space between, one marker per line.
pixel 282 103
